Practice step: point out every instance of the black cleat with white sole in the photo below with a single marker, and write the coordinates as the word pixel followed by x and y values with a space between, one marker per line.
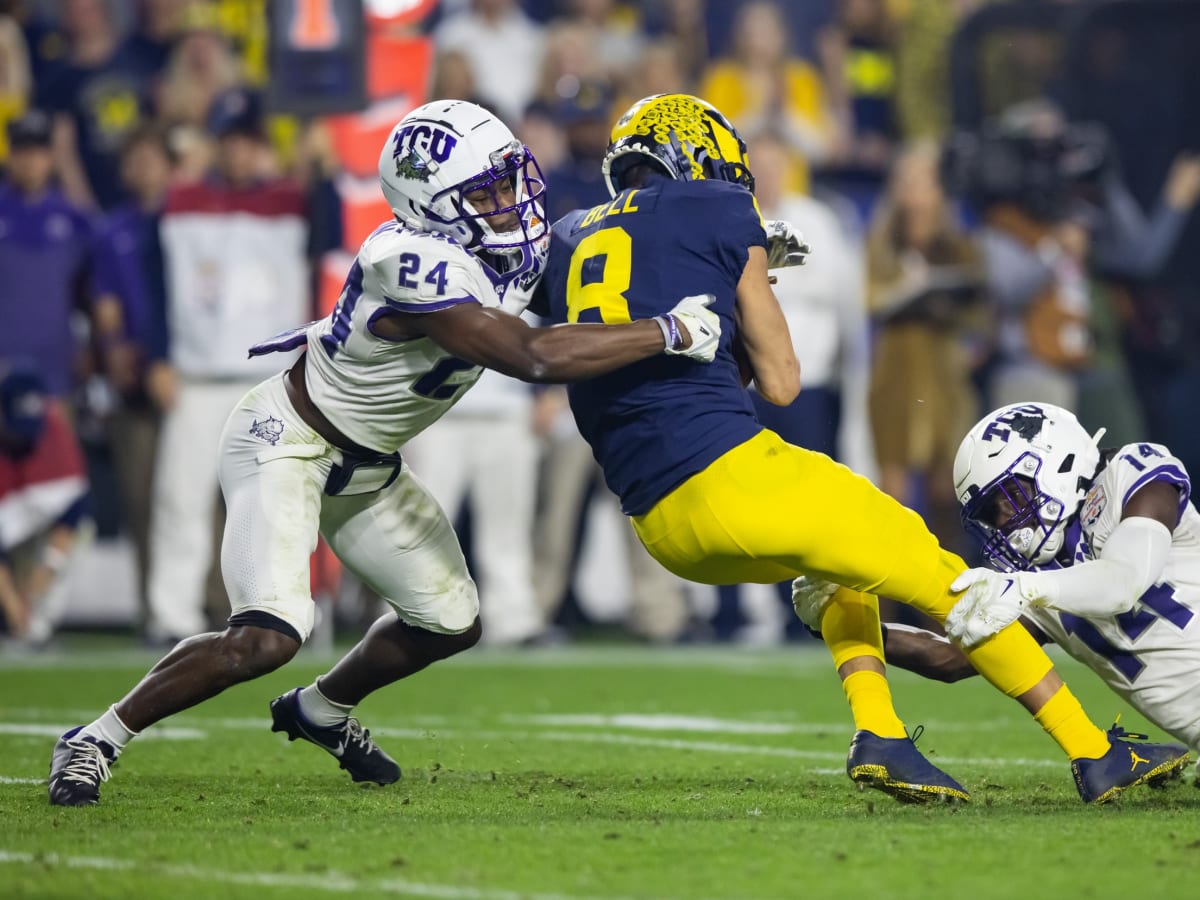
pixel 349 743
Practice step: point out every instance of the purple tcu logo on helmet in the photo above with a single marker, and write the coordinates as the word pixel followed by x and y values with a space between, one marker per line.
pixel 1026 421
pixel 427 140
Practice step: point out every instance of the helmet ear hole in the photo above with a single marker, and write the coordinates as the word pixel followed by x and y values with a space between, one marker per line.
pixel 1067 463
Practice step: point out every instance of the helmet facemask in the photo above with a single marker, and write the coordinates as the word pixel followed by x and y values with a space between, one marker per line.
pixel 515 185
pixel 1021 475
pixel 1034 530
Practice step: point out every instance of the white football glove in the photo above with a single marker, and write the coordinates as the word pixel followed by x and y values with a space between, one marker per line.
pixel 702 326
pixel 785 245
pixel 810 596
pixel 992 602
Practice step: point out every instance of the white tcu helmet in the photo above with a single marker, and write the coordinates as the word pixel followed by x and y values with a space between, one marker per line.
pixel 448 148
pixel 1037 458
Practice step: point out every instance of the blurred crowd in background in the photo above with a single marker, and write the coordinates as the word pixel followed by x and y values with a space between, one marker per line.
pixel 998 198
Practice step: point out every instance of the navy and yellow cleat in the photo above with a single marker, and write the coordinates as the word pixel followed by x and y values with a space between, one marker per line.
pixel 1127 764
pixel 78 766
pixel 896 767
pixel 349 743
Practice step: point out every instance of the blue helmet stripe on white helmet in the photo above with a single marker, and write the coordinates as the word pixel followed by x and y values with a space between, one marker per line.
pixel 1037 460
pixel 446 149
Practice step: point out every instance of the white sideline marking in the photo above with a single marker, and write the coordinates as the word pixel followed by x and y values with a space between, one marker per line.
pixel 337 882
pixel 739 660
pixel 166 733
pixel 4 779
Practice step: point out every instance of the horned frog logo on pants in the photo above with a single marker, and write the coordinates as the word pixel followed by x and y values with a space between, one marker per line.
pixel 269 429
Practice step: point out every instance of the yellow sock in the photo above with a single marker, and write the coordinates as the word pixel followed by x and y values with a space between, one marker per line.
pixel 1066 722
pixel 871 704
pixel 851 630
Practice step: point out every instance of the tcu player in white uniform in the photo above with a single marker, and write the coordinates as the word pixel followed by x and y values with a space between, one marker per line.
pixel 1097 551
pixel 431 298
pixel 1103 551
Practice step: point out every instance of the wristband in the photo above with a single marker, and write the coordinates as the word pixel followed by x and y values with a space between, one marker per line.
pixel 665 325
pixel 676 341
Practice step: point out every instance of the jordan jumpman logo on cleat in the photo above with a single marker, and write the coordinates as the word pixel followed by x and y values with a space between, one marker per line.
pixel 1134 759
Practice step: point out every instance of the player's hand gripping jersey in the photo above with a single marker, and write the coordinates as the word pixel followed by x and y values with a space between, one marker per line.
pixel 629 259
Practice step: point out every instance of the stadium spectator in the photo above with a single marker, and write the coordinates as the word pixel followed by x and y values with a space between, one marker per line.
pixel 659 70
pixel 44 38
pixel 43 502
pixel 507 80
pixel 157 27
pixel 858 66
pixel 684 24
pixel 583 117
pixel 922 100
pixel 453 76
pixel 98 97
pixel 15 82
pixel 199 68
pixel 130 325
pixel 763 86
pixel 614 32
pixel 235 253
pixel 1039 275
pixel 924 276
pixel 45 249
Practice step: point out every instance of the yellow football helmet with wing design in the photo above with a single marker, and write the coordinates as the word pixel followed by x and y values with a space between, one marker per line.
pixel 680 135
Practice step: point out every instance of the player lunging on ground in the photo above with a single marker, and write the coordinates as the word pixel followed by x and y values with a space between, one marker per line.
pixel 716 498
pixel 432 297
pixel 1103 547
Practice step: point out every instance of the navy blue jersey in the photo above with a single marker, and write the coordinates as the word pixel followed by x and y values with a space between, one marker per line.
pixel 655 423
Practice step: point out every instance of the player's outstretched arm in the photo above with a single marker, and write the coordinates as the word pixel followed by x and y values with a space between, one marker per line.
pixel 497 340
pixel 927 654
pixel 1132 559
pixel 764 335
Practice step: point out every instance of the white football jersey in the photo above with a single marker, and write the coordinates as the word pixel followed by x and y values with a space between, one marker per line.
pixel 1151 654
pixel 380 393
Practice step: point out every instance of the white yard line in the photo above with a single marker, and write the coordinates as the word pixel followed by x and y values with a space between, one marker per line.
pixel 162 733
pixel 334 882
pixel 606 736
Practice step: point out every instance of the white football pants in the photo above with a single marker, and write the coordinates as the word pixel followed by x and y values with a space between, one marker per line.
pixel 397 540
pixel 494 460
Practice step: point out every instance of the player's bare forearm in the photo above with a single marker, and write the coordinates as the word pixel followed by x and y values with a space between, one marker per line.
pixel 925 653
pixel 763 332
pixel 497 340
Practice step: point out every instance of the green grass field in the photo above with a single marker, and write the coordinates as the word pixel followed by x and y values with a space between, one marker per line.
pixel 582 772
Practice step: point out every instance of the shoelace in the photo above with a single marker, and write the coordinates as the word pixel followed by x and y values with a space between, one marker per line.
pixel 1120 734
pixel 1117 733
pixel 916 734
pixel 356 734
pixel 88 764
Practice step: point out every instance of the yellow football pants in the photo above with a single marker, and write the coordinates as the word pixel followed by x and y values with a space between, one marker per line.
pixel 768 511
